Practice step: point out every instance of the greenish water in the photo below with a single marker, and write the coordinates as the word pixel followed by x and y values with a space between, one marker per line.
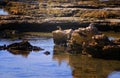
pixel 59 64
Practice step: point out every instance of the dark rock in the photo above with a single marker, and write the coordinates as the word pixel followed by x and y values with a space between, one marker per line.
pixel 47 53
pixel 3 47
pixel 101 39
pixel 103 48
pixel 116 41
pixel 35 48
pixel 23 46
pixel 111 51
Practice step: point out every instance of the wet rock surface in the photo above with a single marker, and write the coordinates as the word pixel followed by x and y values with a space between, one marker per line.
pixel 89 41
pixel 20 48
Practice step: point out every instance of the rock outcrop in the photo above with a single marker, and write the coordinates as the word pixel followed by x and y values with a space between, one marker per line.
pixel 91 42
pixel 61 36
pixel 20 48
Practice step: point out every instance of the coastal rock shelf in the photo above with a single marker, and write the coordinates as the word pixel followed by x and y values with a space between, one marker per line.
pixel 45 16
pixel 88 41
pixel 27 23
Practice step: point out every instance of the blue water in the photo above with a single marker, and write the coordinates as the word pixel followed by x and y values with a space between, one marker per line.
pixel 2 12
pixel 34 65
pixel 56 65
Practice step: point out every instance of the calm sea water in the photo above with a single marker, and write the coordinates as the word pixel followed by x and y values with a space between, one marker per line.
pixel 3 12
pixel 34 64
pixel 58 64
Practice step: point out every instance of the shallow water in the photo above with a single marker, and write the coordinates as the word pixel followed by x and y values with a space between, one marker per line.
pixel 34 64
pixel 58 64
pixel 3 12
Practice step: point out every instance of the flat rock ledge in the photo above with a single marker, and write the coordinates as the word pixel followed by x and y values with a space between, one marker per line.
pixel 29 23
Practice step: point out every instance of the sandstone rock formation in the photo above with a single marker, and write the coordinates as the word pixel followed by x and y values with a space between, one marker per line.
pixel 61 36
pixel 89 41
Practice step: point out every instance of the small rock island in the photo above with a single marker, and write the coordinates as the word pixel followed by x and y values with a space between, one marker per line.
pixel 20 47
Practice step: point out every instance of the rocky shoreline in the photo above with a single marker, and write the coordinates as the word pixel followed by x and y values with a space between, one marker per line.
pixel 46 16
pixel 26 23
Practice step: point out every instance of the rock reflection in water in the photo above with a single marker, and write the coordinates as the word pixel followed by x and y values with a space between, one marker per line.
pixel 19 52
pixel 86 67
pixel 22 48
pixel 59 49
pixel 60 54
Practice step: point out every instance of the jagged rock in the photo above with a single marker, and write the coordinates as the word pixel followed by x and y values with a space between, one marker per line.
pixel 102 47
pixel 80 37
pixel 101 39
pixel 92 42
pixel 25 45
pixel 20 48
pixel 61 36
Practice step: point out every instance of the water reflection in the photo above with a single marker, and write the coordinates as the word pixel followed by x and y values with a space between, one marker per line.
pixel 2 12
pixel 19 52
pixel 59 64
pixel 36 65
pixel 86 67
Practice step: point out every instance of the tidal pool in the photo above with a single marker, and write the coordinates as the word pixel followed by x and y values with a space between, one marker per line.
pixel 59 64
